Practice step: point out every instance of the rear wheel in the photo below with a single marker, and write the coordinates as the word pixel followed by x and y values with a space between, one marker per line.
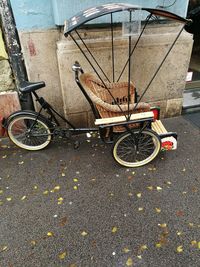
pixel 29 131
pixel 138 149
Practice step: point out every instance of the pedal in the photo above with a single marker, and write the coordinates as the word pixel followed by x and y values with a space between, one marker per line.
pixel 76 144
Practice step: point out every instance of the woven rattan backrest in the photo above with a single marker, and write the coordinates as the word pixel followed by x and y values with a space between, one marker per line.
pixel 118 91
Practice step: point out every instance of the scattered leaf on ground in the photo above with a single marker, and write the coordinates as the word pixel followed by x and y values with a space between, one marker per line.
pixel 84 233
pixel 33 242
pixel 150 187
pixel 114 229
pixel 158 188
pixel 63 221
pixel 158 210
pixel 62 255
pixel 162 225
pixel 179 249
pixel 126 250
pixel 129 262
pixel 50 234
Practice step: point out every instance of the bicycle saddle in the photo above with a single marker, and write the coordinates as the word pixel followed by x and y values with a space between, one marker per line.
pixel 28 87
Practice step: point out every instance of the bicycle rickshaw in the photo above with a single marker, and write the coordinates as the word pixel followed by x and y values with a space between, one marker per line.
pixel 121 116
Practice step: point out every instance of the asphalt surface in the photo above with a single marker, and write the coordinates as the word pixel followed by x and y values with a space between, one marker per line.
pixel 71 208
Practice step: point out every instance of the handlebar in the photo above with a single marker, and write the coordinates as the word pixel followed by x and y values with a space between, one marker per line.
pixel 77 67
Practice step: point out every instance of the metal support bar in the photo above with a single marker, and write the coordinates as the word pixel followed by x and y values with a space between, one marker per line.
pixel 12 41
pixel 159 67
pixel 113 54
pixel 75 41
pixel 146 23
pixel 92 55
pixel 129 67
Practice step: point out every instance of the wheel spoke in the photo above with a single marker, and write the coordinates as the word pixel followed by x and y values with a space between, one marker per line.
pixel 137 150
pixel 29 133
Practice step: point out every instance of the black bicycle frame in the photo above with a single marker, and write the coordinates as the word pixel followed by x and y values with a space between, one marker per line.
pixel 51 111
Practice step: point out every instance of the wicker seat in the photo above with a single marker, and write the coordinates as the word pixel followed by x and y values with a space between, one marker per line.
pixel 105 103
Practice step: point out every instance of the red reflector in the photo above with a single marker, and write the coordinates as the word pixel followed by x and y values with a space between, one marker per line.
pixel 167 145
pixel 155 114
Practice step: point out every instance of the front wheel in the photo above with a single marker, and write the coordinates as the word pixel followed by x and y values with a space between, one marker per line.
pixel 136 149
pixel 29 131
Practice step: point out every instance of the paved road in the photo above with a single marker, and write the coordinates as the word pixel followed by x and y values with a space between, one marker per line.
pixel 66 207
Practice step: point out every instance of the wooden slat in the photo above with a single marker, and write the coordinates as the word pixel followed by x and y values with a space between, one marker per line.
pixel 137 116
pixel 158 127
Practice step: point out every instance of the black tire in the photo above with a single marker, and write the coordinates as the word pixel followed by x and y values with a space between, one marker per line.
pixel 29 131
pixel 126 153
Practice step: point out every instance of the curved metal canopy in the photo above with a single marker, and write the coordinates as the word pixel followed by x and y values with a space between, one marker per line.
pixel 98 11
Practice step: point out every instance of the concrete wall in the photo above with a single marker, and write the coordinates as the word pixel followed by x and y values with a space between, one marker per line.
pixel 6 81
pixel 9 101
pixel 39 49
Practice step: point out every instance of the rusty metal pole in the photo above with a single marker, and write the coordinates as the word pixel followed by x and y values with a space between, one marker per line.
pixel 13 46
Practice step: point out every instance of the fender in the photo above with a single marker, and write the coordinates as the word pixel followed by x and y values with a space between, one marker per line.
pixel 6 121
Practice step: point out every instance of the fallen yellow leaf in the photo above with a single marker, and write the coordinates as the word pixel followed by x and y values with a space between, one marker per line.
pixel 75 180
pixel 150 187
pixel 9 198
pixel 46 192
pixel 129 262
pixel 139 195
pixel 23 198
pixel 159 188
pixel 50 234
pixel 33 242
pixel 198 245
pixel 179 249
pixel 162 225
pixel 63 174
pixel 114 229
pixel 126 250
pixel 179 233
pixel 62 255
pixel 158 245
pixel 140 209
pixel 84 233
pixel 4 248
pixel 143 247
pixel 158 210
pixel 56 188
pixel 75 187
pixel 193 242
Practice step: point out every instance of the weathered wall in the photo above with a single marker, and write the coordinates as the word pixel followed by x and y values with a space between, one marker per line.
pixel 6 81
pixel 9 101
pixel 39 49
